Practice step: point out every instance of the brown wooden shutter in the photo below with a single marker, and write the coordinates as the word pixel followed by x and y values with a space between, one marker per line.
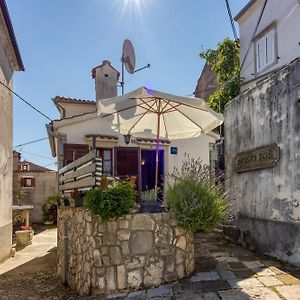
pixel 33 182
pixel 22 182
pixel 127 161
pixel 80 149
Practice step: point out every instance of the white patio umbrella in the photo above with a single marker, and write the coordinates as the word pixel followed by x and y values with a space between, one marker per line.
pixel 166 116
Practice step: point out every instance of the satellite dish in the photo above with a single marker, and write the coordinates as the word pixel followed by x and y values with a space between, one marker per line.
pixel 128 56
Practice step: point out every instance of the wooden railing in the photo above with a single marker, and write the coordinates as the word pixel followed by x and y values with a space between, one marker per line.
pixel 82 174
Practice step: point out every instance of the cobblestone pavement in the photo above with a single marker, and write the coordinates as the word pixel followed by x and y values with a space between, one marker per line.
pixel 228 272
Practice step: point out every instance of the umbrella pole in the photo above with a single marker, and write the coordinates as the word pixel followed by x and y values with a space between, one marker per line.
pixel 157 156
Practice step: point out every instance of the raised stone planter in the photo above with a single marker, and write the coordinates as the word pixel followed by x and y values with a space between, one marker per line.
pixel 133 252
pixel 24 237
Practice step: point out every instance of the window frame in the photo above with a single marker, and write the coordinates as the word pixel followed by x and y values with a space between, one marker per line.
pixel 257 39
pixel 100 154
pixel 23 182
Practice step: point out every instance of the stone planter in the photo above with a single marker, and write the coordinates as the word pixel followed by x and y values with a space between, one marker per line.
pixel 24 237
pixel 133 252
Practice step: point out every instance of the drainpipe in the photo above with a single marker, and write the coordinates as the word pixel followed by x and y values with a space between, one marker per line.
pixel 65 253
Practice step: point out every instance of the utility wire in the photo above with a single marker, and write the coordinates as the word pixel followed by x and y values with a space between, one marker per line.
pixel 31 142
pixel 30 105
pixel 236 38
pixel 37 155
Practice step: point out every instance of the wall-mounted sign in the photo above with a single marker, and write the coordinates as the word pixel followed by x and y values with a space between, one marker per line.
pixel 258 158
pixel 174 150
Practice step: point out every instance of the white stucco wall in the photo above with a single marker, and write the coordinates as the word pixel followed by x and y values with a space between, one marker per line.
pixel 73 109
pixel 5 156
pixel 195 147
pixel 286 15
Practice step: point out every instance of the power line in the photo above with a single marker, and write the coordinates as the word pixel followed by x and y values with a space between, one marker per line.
pixel 31 142
pixel 236 38
pixel 26 102
pixel 37 155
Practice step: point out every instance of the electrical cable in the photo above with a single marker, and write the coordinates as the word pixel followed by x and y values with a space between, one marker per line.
pixel 236 38
pixel 31 142
pixel 26 102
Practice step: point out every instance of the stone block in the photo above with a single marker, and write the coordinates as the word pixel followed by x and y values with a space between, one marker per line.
pixel 141 242
pixel 123 224
pixel 125 248
pixel 110 279
pixel 288 279
pixel 138 295
pixel 115 256
pixel 257 293
pixel 290 292
pixel 142 222
pixel 270 281
pixel 134 278
pixel 123 235
pixel 162 291
pixel 205 276
pixel 181 243
pixel 121 277
pixel 134 262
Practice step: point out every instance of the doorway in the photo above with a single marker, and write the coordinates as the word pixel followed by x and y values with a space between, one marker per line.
pixel 148 170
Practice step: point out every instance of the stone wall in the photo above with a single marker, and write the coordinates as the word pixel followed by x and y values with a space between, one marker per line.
pixel 268 113
pixel 133 252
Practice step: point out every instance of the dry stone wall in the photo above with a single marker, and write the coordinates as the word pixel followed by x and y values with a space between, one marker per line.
pixel 133 252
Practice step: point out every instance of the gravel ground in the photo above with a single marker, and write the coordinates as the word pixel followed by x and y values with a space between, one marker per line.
pixel 34 286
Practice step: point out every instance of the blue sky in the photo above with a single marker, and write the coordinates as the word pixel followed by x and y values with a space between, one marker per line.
pixel 61 41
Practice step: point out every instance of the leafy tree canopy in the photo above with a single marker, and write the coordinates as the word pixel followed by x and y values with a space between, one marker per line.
pixel 225 62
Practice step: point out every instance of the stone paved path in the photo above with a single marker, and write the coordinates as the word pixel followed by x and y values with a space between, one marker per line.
pixel 228 272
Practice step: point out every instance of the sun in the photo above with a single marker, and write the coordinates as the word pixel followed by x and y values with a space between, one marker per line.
pixel 135 7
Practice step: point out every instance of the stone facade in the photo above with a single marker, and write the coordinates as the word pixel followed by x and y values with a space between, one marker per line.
pixel 45 185
pixel 269 198
pixel 136 251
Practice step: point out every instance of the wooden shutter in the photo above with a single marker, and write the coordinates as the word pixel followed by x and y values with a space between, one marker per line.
pixel 33 182
pixel 80 149
pixel 22 182
pixel 127 161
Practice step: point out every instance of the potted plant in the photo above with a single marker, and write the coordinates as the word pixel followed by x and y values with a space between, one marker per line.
pixel 149 202
pixel 20 196
pixel 76 198
pixel 50 209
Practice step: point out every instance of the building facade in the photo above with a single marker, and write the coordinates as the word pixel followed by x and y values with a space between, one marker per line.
pixel 275 42
pixel 73 136
pixel 262 132
pixel 10 61
pixel 37 182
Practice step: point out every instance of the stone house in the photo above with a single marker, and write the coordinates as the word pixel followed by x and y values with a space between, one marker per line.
pixel 36 181
pixel 10 61
pixel 262 131
pixel 72 135
pixel 207 83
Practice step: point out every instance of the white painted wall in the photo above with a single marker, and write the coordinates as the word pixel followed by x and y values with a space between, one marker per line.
pixel 73 109
pixel 5 156
pixel 286 14
pixel 75 133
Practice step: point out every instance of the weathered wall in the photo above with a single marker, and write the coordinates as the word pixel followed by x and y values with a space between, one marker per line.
pixel 268 113
pixel 135 251
pixel 45 186
pixel 5 157
pixel 286 15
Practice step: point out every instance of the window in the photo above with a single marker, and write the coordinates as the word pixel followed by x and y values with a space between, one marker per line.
pixel 27 182
pixel 265 50
pixel 24 167
pixel 106 156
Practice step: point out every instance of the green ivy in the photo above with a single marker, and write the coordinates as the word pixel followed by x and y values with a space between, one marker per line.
pixel 111 203
pixel 225 62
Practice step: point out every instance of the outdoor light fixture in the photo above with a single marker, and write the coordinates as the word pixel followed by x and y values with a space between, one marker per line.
pixel 127 138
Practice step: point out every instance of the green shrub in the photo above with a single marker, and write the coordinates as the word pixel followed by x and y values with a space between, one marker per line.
pixel 111 203
pixel 195 198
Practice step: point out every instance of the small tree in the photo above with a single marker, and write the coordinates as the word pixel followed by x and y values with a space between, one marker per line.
pixel 225 62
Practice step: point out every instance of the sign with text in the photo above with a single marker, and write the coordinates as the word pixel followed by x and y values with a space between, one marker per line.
pixel 258 158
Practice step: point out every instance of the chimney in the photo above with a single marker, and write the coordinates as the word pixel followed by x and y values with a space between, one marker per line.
pixel 106 80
